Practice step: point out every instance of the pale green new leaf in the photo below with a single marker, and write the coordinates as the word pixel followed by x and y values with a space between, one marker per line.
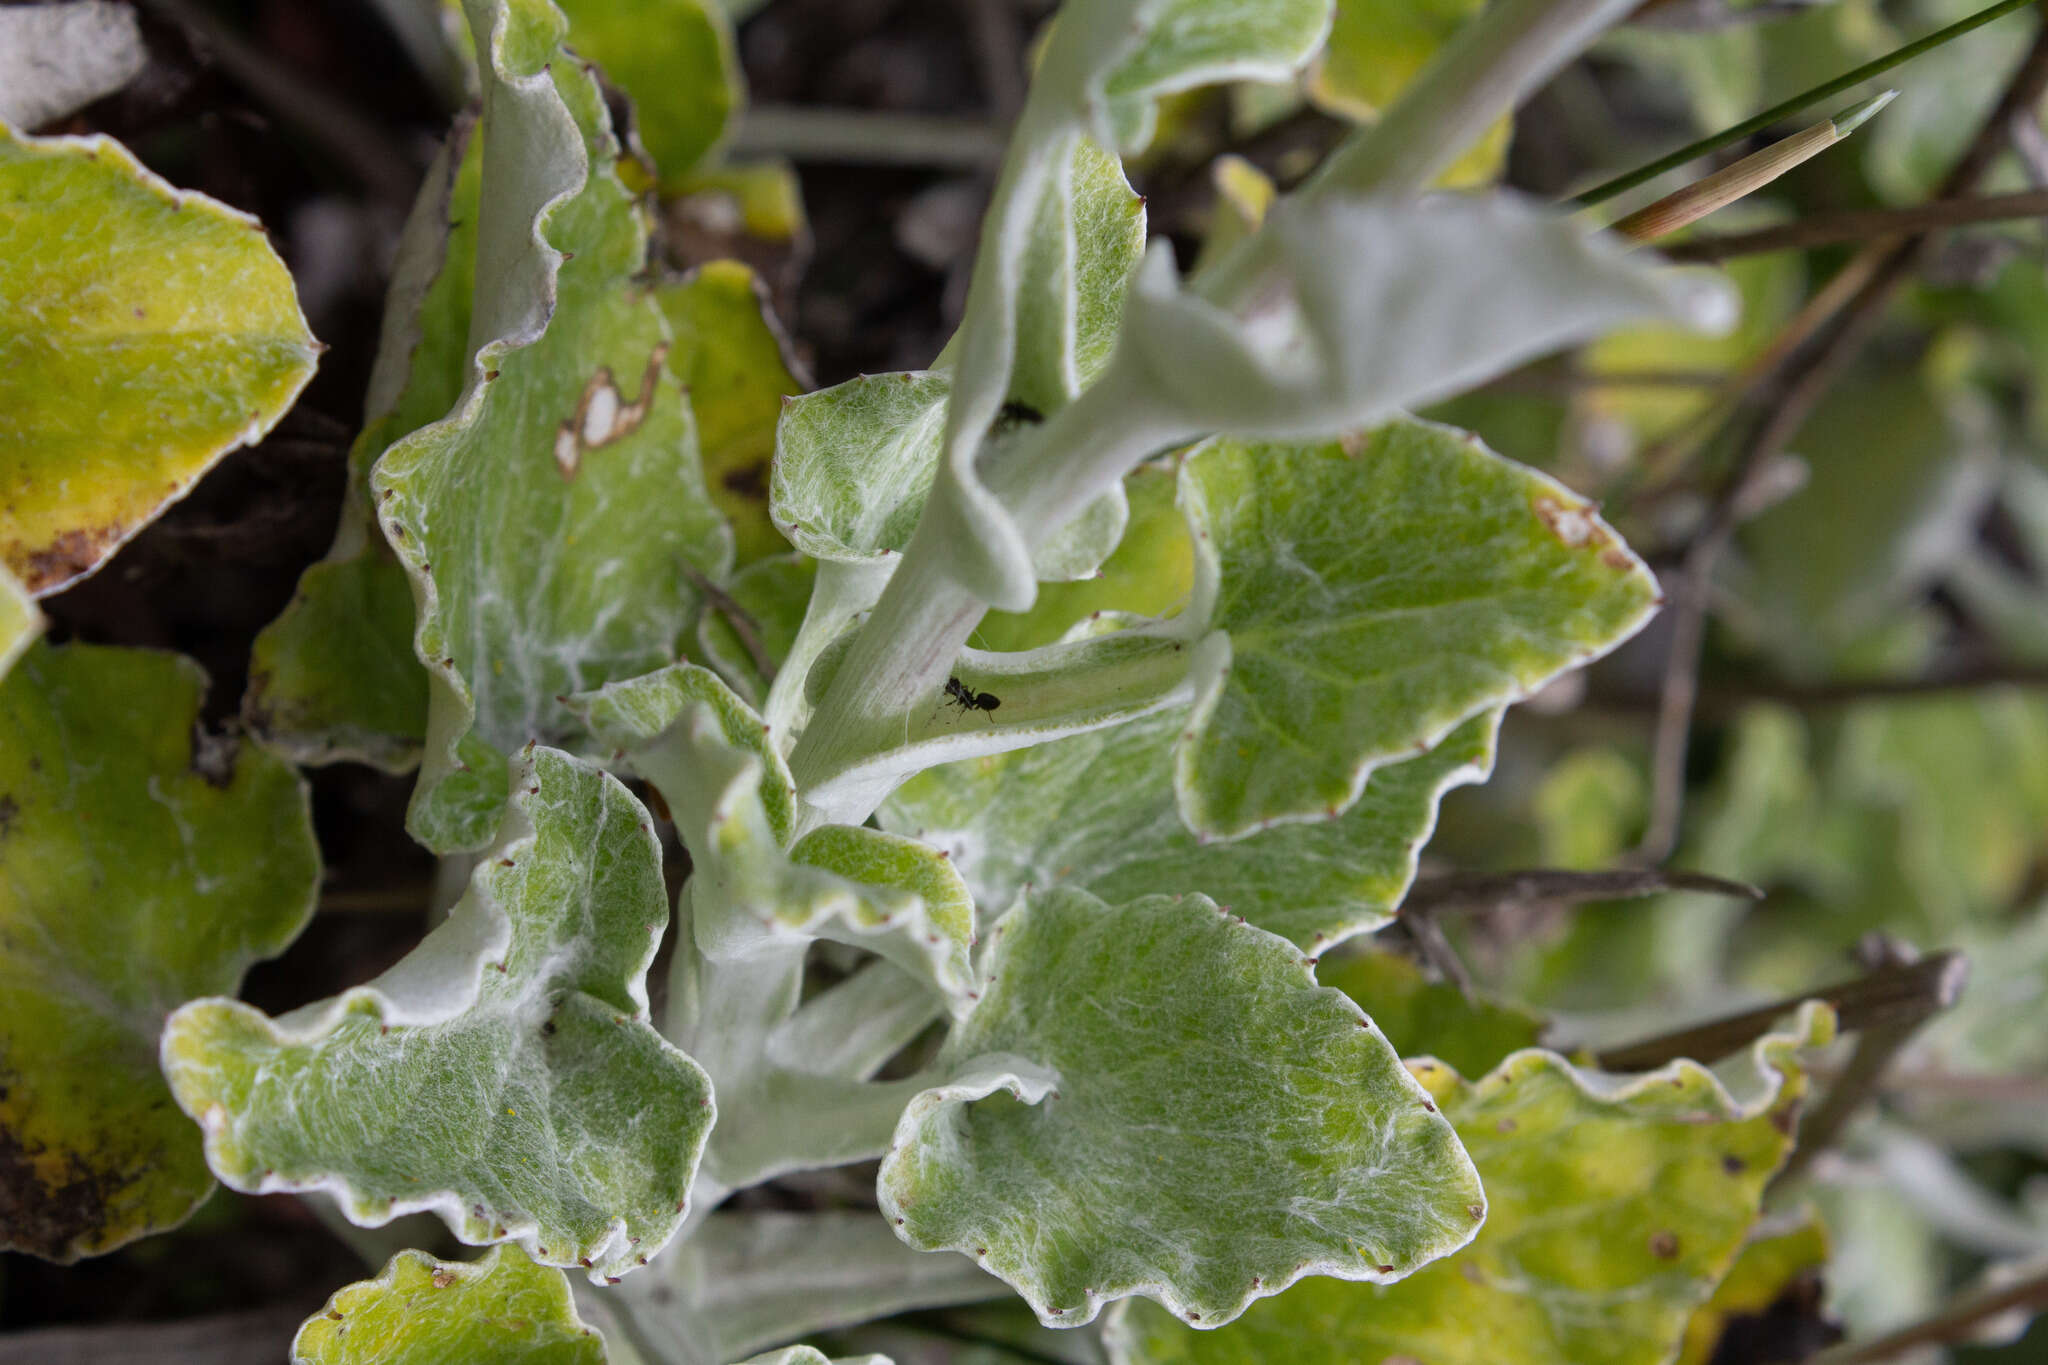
pixel 334 676
pixel 142 862
pixel 854 462
pixel 146 333
pixel 1359 627
pixel 500 1308
pixel 1097 812
pixel 504 1075
pixel 810 1355
pixel 1389 303
pixel 734 806
pixel 1156 1098
pixel 1615 1205
pixel 1098 74
pixel 545 522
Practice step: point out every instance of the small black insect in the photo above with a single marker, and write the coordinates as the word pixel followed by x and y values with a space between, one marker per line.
pixel 967 699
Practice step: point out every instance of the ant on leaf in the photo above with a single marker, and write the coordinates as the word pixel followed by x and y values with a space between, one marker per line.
pixel 967 699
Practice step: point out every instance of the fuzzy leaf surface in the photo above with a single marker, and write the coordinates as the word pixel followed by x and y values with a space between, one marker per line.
pixel 544 522
pixel 734 807
pixel 1360 627
pixel 855 462
pixel 147 332
pixel 500 1308
pixel 1615 1205
pixel 1156 1098
pixel 503 1075
pixel 1096 811
pixel 137 869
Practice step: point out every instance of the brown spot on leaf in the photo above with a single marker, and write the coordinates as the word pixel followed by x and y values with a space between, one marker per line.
pixel 603 415
pixel 71 554
pixel 58 1220
pixel 443 1278
pixel 1664 1245
pixel 1573 523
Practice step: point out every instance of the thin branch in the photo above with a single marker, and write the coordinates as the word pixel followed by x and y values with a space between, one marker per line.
pixel 1720 698
pixel 1886 996
pixel 862 137
pixel 1803 100
pixel 1862 226
pixel 1556 886
pixel 1436 950
pixel 1876 1048
pixel 1952 1323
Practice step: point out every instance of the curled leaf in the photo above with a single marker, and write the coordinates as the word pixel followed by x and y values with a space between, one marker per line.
pixel 504 1075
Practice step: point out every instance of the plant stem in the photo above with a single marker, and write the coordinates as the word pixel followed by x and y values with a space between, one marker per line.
pixel 1805 99
pixel 1688 205
pixel 1886 996
pixel 1951 1324
pixel 1833 228
pixel 863 138
pixel 1562 887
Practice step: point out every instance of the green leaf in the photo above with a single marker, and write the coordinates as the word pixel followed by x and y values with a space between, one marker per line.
pixel 1903 477
pixel 500 1308
pixel 1615 1204
pixel 1186 1115
pixel 1357 630
pixel 1182 44
pixel 675 59
pixel 732 359
pixel 504 1075
pixel 148 332
pixel 1097 812
pixel 1387 303
pixel 561 570
pixel 334 677
pixel 855 462
pixel 1425 1018
pixel 1148 574
pixel 773 595
pixel 1377 47
pixel 142 861
pixel 734 806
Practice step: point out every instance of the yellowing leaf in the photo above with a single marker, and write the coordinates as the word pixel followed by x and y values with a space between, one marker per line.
pixel 1615 1204
pixel 145 333
pixel 140 864
pixel 502 1308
